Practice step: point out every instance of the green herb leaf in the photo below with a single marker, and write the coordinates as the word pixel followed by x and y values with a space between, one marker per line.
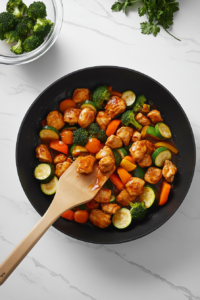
pixel 117 6
pixel 148 28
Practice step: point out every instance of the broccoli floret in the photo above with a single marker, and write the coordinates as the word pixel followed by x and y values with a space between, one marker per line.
pixel 80 137
pixel 17 49
pixel 37 10
pixel 95 132
pixel 100 95
pixel 11 36
pixel 140 101
pixel 129 118
pixel 8 22
pixel 28 22
pixel 32 42
pixel 42 27
pixel 138 210
pixel 16 7
pixel 22 31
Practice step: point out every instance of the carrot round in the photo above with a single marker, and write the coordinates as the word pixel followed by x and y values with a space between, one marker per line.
pixel 117 182
pixel 69 215
pixel 129 158
pixel 67 137
pixel 92 204
pixel 115 93
pixel 110 88
pixel 93 145
pixel 112 127
pixel 164 194
pixel 81 216
pixel 59 146
pixel 68 103
pixel 124 175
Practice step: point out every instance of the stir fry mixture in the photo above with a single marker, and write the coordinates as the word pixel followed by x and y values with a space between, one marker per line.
pixel 113 129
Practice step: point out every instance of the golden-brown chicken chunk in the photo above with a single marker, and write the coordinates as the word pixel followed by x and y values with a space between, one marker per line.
pixel 146 161
pixel 136 137
pixel 135 186
pixel 145 108
pixel 155 116
pixel 103 120
pixel 43 153
pixel 60 158
pixel 106 164
pixel 143 120
pixel 115 106
pixel 99 218
pixel 62 167
pixel 114 142
pixel 85 164
pixel 138 150
pixel 153 175
pixel 150 147
pixel 106 151
pixel 55 119
pixel 124 198
pixel 125 134
pixel 86 117
pixel 80 95
pixel 103 196
pixel 169 170
pixel 71 115
pixel 110 208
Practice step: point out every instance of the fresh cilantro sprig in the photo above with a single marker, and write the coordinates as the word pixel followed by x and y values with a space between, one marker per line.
pixel 158 12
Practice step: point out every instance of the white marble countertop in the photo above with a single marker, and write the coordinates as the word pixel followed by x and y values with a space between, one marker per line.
pixel 163 265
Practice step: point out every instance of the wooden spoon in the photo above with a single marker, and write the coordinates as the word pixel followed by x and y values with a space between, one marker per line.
pixel 73 189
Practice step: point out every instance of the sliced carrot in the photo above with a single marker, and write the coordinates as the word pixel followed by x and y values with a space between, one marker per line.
pixel 69 215
pixel 92 204
pixel 167 145
pixel 124 175
pixel 164 194
pixel 112 127
pixel 81 216
pixel 129 158
pixel 67 137
pixel 110 88
pixel 44 122
pixel 115 93
pixel 117 182
pixel 93 145
pixel 127 165
pixel 59 146
pixel 68 103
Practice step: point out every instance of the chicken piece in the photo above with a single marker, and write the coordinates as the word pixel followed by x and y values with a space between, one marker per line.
pixel 115 106
pixel 106 151
pixel 169 170
pixel 143 120
pixel 80 95
pixel 145 108
pixel 85 164
pixel 155 116
pixel 138 150
pixel 125 134
pixel 146 161
pixel 60 158
pixel 110 208
pixel 55 119
pixel 124 198
pixel 153 175
pixel 62 167
pixel 43 153
pixel 103 196
pixel 86 117
pixel 150 147
pixel 135 186
pixel 103 120
pixel 99 218
pixel 71 115
pixel 106 164
pixel 136 137
pixel 114 142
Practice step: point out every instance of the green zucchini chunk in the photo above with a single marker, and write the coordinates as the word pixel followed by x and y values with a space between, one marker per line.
pixel 129 97
pixel 162 131
pixel 51 187
pixel 44 173
pixel 70 127
pixel 160 155
pixel 89 104
pixel 138 172
pixel 49 132
pixel 122 218
pixel 150 196
pixel 151 131
pixel 117 156
pixel 112 199
pixel 122 152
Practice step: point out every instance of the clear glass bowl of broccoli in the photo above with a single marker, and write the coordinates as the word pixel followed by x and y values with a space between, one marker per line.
pixel 31 19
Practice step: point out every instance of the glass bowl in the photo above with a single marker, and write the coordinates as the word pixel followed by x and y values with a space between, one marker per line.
pixel 55 14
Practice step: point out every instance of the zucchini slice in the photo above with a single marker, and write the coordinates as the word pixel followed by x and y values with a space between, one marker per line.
pixel 76 150
pixel 44 173
pixel 70 127
pixel 162 131
pixel 129 97
pixel 117 157
pixel 160 155
pixel 122 218
pixel 51 187
pixel 122 152
pixel 112 199
pixel 89 104
pixel 138 172
pixel 150 196
pixel 49 132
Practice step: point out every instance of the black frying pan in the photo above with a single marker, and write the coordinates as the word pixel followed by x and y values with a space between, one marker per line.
pixel 121 79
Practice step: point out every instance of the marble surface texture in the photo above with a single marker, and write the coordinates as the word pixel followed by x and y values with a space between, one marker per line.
pixel 163 265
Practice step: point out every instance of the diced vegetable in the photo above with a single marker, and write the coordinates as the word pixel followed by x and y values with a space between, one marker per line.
pixel 129 158
pixel 124 175
pixel 149 196
pixel 162 131
pixel 51 187
pixel 122 218
pixel 127 165
pixel 116 181
pixel 115 93
pixel 76 150
pixel 138 172
pixel 81 216
pixel 93 146
pixel 89 104
pixel 44 173
pixel 70 127
pixel 49 133
pixel 138 105
pixel 112 127
pixel 117 157
pixel 69 215
pixel 167 145
pixel 122 152
pixel 112 199
pixel 129 97
pixel 68 103
pixel 160 155
pixel 67 137
pixel 138 211
pixel 164 194
pixel 144 132
pixel 59 146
